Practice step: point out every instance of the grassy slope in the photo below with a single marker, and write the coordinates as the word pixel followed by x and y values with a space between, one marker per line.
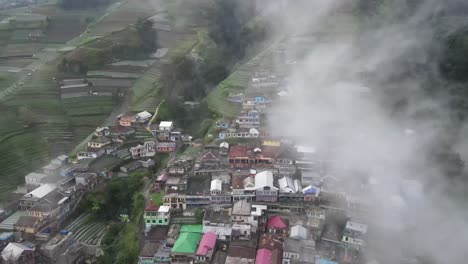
pixel 145 90
pixel 23 150
pixel 235 83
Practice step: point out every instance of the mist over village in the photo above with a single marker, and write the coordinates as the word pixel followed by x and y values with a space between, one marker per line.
pixel 233 131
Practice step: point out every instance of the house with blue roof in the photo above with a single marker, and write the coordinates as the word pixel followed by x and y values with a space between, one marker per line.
pixel 325 261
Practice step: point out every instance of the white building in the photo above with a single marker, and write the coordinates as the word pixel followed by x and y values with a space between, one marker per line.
pixel 264 188
pixel 299 232
pixel 288 185
pixel 166 126
pixel 34 178
pixel 216 187
pixel 148 149
pixel 143 116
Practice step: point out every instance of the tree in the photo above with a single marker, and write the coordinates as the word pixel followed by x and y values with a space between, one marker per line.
pixel 26 115
pixel 147 34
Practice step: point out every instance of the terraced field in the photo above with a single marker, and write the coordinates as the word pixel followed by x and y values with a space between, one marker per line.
pixel 32 120
pixel 19 155
pixel 234 83
pixel 41 98
pixel 87 231
pixel 67 24
pixel 86 113
pixel 123 14
pixel 106 162
pixel 146 89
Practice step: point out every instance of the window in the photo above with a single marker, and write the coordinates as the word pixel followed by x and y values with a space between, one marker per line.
pixel 154 221
pixel 148 221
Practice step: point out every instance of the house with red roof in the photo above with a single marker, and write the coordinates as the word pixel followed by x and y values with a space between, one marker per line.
pixel 247 156
pixel 273 243
pixel 278 225
pixel 241 156
pixel 205 250
pixel 263 256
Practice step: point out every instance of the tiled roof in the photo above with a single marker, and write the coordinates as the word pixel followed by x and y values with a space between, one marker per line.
pixel 263 256
pixel 151 207
pixel 241 207
pixel 242 249
pixel 240 151
pixel 207 243
pixel 149 249
pixel 270 241
pixel 270 151
pixel 209 156
pixel 237 181
pixel 277 222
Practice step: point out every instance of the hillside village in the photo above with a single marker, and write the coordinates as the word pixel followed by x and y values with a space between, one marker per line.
pixel 246 196
pixel 161 118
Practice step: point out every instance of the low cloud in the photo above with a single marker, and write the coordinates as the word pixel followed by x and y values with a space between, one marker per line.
pixel 338 100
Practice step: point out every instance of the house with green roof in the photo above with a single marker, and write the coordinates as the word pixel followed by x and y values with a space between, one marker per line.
pixel 186 245
pixel 191 228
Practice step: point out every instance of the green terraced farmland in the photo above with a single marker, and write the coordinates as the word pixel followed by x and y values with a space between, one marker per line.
pixel 106 162
pixel 145 90
pixel 237 82
pixel 87 231
pixel 19 155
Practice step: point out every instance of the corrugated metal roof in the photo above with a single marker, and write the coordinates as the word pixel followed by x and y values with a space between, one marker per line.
pixel 264 178
pixel 13 251
pixel 216 184
pixel 191 228
pixel 207 243
pixel 41 191
pixel 186 243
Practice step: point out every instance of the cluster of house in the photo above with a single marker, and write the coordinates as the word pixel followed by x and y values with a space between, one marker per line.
pixel 244 232
pixel 35 213
pixel 249 121
pixel 31 218
pixel 123 141
pixel 247 203
pixel 260 200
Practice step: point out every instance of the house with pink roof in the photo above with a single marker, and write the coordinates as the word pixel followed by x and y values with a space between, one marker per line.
pixel 206 247
pixel 263 256
pixel 278 225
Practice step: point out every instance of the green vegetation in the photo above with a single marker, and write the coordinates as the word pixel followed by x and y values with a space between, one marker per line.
pixel 120 196
pixel 20 153
pixel 86 230
pixel 157 198
pixel 146 90
pixel 235 83
pixel 132 43
pixel 117 198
